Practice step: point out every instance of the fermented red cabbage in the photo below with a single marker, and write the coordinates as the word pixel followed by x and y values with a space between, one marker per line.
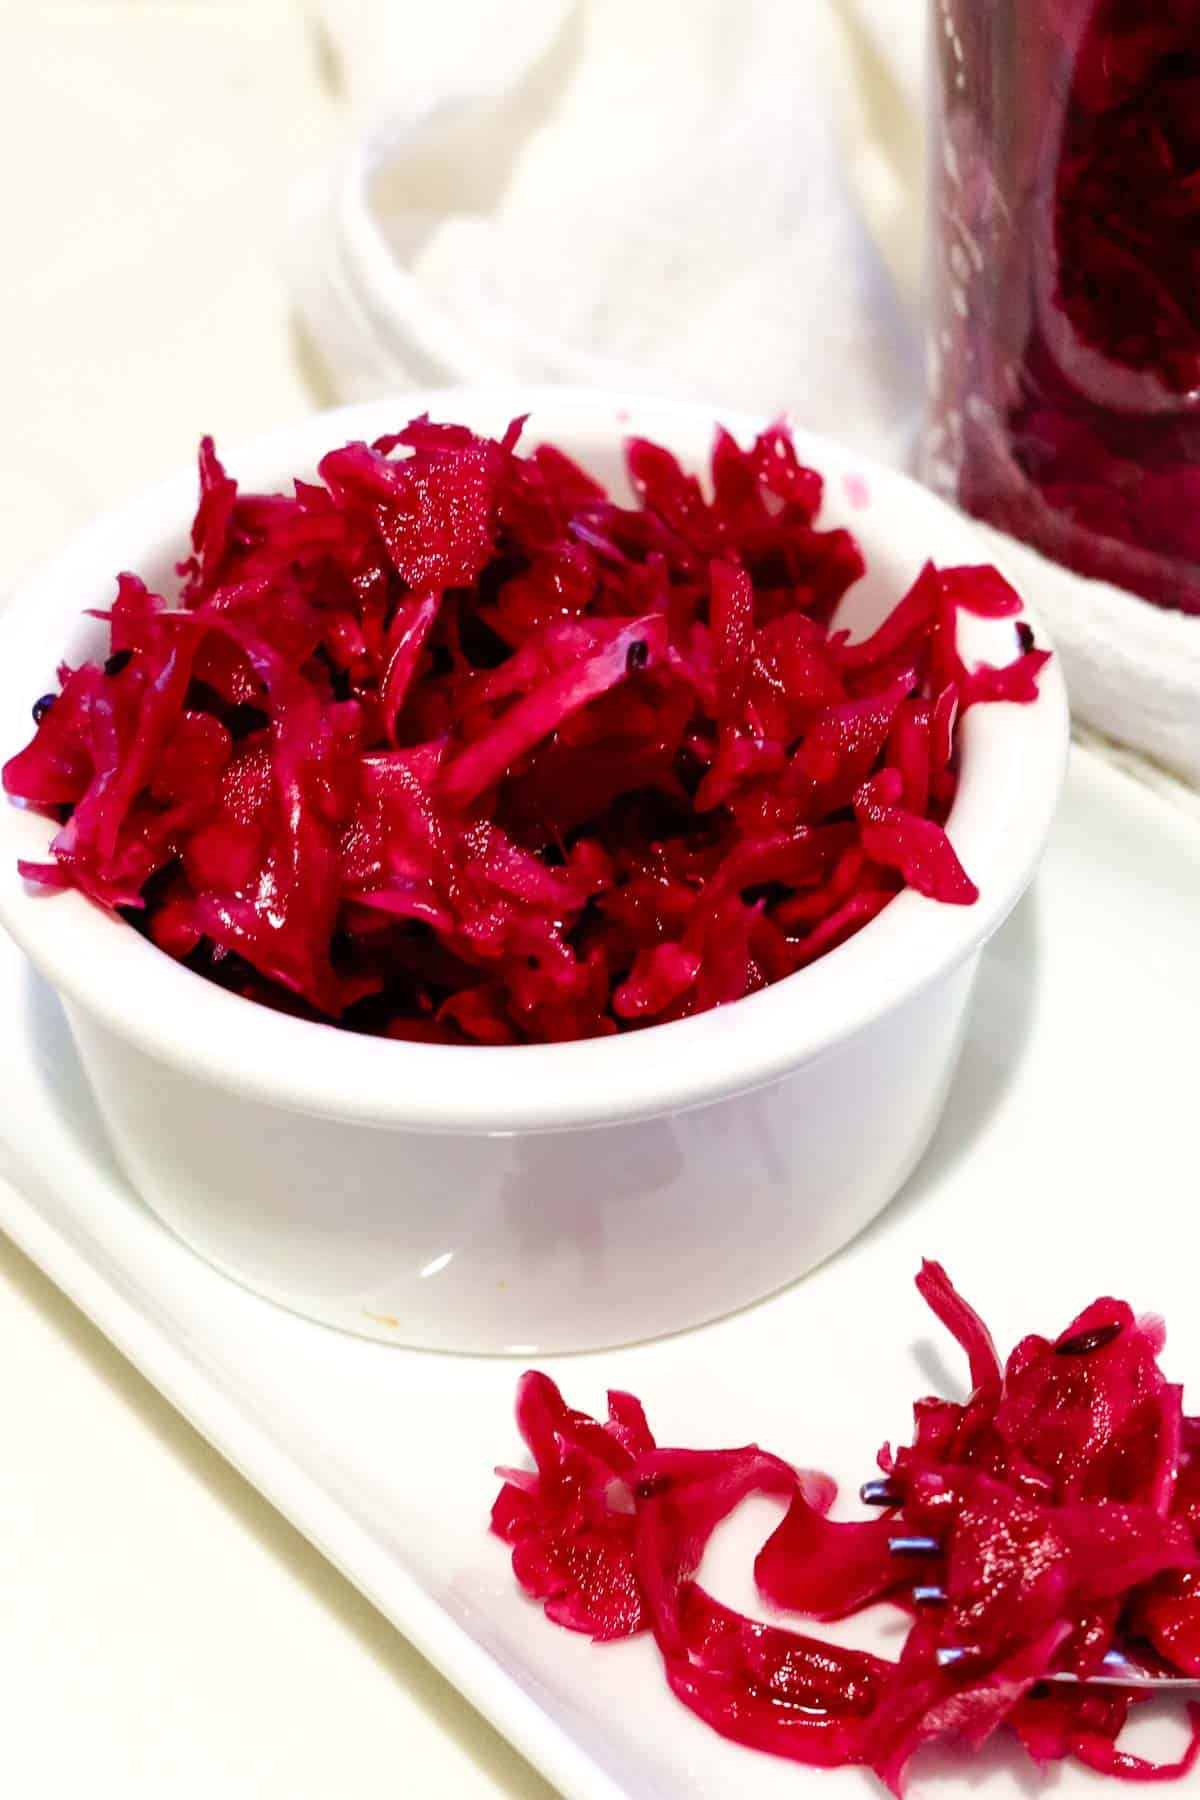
pixel 1066 340
pixel 1044 1524
pixel 447 745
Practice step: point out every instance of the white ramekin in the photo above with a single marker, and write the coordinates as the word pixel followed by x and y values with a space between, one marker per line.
pixel 557 1197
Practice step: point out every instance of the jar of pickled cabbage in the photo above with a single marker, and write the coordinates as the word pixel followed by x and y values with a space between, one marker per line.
pixel 1064 345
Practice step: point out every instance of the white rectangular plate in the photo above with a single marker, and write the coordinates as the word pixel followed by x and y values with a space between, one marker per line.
pixel 1065 1167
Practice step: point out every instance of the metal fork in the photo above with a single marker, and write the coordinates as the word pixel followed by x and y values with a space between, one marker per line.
pixel 1116 1671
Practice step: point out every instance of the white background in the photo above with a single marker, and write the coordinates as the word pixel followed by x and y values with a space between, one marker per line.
pixel 162 1631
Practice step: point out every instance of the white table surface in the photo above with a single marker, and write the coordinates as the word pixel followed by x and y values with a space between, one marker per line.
pixel 164 1632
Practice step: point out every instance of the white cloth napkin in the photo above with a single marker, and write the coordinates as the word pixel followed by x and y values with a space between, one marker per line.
pixel 674 196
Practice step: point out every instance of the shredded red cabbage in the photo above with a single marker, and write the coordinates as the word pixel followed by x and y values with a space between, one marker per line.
pixel 1066 341
pixel 450 746
pixel 1054 1517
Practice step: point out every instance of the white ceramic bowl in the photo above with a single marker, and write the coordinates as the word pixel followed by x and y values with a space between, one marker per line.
pixel 557 1197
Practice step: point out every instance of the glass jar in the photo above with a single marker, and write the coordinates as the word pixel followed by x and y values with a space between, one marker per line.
pixel 1064 343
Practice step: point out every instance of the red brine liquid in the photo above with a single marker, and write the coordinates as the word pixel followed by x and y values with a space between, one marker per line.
pixel 1065 334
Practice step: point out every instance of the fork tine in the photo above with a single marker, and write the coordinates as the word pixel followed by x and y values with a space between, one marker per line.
pixel 929 1596
pixel 1116 1671
pixel 879 1493
pixel 915 1546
